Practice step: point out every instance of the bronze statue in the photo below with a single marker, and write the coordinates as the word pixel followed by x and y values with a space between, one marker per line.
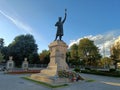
pixel 59 25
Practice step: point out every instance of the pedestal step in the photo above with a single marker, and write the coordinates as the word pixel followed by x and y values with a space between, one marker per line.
pixel 49 79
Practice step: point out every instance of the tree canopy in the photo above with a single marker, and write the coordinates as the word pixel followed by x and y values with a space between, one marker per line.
pixel 44 56
pixel 115 51
pixel 74 52
pixel 2 49
pixel 106 61
pixel 22 46
pixel 85 50
pixel 1 57
pixel 88 51
pixel 1 43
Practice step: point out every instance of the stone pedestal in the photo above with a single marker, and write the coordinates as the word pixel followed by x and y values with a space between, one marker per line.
pixel 25 64
pixel 10 63
pixel 58 51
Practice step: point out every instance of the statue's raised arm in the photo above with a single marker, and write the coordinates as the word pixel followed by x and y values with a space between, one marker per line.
pixel 65 16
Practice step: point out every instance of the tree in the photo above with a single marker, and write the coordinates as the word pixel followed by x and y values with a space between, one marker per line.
pixel 34 58
pixel 1 57
pixel 106 61
pixel 73 55
pixel 22 46
pixel 115 53
pixel 74 52
pixel 4 51
pixel 68 56
pixel 115 50
pixel 44 57
pixel 88 51
pixel 1 43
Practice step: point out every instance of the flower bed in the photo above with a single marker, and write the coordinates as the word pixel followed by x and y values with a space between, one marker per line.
pixel 73 76
pixel 22 71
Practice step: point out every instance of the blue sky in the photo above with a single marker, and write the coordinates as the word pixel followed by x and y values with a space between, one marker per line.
pixel 98 20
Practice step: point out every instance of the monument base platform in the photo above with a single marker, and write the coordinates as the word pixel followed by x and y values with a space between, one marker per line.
pixel 57 63
pixel 49 76
pixel 53 80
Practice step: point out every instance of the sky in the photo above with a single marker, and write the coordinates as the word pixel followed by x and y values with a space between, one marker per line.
pixel 98 20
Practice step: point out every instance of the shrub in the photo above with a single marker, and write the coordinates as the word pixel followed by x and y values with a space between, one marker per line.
pixel 104 73
pixel 112 70
pixel 87 68
pixel 77 70
pixel 69 74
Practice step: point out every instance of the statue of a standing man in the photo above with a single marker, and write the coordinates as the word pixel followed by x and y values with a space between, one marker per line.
pixel 59 25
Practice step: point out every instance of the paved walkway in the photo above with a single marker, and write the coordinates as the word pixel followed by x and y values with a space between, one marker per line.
pixel 14 82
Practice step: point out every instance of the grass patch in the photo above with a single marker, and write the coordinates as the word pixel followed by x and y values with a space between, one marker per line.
pixel 45 84
pixel 90 80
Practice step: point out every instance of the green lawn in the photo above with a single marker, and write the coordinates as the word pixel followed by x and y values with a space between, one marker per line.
pixel 45 84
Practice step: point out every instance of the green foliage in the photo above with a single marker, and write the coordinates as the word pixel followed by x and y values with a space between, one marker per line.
pixel 74 51
pixel 34 58
pixel 88 51
pixel 103 73
pixel 77 69
pixel 87 68
pixel 1 43
pixel 44 56
pixel 68 56
pixel 69 74
pixel 22 46
pixel 1 57
pixel 74 62
pixel 112 70
pixel 115 51
pixel 90 80
pixel 4 51
pixel 64 74
pixel 45 84
pixel 105 61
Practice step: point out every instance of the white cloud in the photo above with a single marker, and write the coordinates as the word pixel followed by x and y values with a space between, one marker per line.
pixel 103 41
